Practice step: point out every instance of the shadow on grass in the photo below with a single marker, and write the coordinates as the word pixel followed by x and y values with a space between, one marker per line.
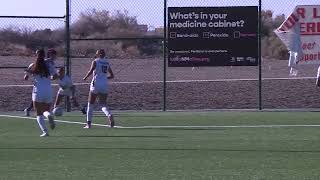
pixel 106 136
pixel 115 115
pixel 196 129
pixel 162 149
pixel 171 128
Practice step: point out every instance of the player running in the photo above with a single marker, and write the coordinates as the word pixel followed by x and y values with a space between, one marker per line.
pixel 100 68
pixel 66 88
pixel 50 61
pixel 42 92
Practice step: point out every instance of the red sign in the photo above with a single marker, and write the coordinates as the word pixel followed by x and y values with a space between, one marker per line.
pixel 301 33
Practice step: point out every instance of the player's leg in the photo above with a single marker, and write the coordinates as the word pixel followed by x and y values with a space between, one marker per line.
pixel 84 109
pixel 72 96
pixel 40 118
pixel 46 97
pixel 47 113
pixel 91 100
pixel 105 109
pixel 28 109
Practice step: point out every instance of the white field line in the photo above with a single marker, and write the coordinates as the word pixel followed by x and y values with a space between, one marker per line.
pixel 176 81
pixel 56 120
pixel 175 127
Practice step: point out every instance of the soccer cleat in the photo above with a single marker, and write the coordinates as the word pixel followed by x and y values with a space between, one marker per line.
pixel 51 122
pixel 87 126
pixel 26 112
pixel 111 121
pixel 45 134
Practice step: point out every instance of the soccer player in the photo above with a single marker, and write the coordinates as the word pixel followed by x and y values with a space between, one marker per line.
pixel 42 92
pixel 50 61
pixel 66 88
pixel 101 70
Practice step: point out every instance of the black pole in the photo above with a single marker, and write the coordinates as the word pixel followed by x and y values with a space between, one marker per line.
pixel 164 108
pixel 67 63
pixel 259 57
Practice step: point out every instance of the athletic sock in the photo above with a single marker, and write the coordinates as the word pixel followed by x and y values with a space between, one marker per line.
pixel 47 114
pixel 42 124
pixel 89 113
pixel 106 111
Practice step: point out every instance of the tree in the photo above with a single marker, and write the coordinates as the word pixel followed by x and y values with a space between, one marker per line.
pixel 103 24
pixel 272 45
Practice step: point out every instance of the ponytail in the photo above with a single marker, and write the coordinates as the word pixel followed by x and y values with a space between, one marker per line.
pixel 40 67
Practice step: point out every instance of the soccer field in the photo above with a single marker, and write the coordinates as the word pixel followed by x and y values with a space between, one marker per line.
pixel 164 145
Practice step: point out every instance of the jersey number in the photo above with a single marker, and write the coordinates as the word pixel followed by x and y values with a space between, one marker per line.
pixel 105 69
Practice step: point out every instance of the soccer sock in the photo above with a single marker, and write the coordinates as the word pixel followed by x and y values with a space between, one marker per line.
pixel 42 124
pixel 106 111
pixel 89 113
pixel 47 114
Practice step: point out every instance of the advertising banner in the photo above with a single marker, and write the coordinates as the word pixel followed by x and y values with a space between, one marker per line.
pixel 300 32
pixel 213 36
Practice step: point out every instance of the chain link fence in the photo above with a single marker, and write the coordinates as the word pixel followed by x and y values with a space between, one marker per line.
pixel 133 34
pixel 279 90
pixel 20 37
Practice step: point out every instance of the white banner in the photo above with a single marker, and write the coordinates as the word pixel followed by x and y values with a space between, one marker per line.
pixel 300 32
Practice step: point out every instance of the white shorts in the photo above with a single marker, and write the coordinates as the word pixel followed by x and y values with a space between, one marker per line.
pixel 42 97
pixel 42 91
pixel 98 89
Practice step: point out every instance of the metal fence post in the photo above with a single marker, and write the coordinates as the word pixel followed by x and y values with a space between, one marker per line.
pixel 67 63
pixel 259 57
pixel 165 56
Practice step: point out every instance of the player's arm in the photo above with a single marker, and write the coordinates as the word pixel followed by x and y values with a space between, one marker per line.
pixel 26 77
pixel 27 72
pixel 111 75
pixel 92 68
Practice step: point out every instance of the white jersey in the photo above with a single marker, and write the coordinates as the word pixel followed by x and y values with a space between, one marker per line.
pixel 318 73
pixel 99 83
pixel 42 91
